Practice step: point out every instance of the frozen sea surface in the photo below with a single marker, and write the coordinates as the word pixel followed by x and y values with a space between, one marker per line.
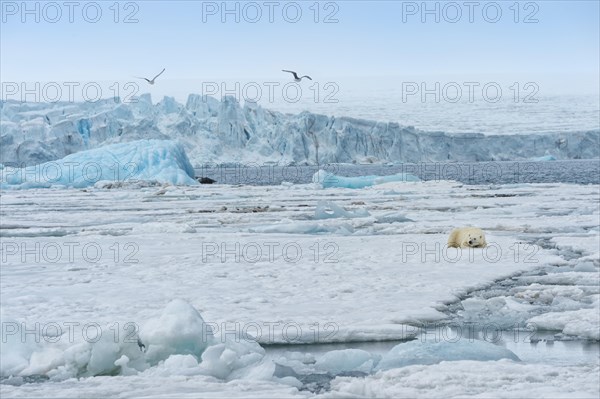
pixel 256 262
pixel 380 102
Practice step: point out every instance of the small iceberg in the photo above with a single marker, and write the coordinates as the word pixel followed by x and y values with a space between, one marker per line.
pixel 546 157
pixel 327 180
pixel 347 360
pixel 426 353
pixel 161 161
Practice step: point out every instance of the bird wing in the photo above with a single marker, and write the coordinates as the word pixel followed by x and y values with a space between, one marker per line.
pixel 159 74
pixel 292 72
pixel 308 77
pixel 139 77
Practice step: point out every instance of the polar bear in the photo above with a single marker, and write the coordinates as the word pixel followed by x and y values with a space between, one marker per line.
pixel 465 237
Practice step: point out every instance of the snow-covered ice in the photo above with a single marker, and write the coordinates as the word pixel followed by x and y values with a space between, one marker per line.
pixel 582 323
pixel 499 379
pixel 152 275
pixel 190 284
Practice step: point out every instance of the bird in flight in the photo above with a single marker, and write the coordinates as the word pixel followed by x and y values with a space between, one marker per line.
pixel 151 81
pixel 296 78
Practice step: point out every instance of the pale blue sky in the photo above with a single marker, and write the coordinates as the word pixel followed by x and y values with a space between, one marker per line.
pixel 370 39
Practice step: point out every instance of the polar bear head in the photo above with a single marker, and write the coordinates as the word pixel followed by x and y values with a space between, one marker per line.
pixel 474 238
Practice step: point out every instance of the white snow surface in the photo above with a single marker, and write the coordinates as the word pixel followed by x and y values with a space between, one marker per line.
pixel 499 379
pixel 238 264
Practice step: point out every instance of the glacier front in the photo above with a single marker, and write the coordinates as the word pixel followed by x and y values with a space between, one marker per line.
pixel 214 131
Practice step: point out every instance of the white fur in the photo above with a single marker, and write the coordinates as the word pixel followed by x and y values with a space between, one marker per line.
pixel 465 237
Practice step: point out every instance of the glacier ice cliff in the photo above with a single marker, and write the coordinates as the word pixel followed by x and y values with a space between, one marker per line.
pixel 214 131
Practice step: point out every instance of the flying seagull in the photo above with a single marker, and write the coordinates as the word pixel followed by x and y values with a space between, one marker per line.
pixel 151 81
pixel 296 78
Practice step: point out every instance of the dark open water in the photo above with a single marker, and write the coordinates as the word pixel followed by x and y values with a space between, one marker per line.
pixel 505 172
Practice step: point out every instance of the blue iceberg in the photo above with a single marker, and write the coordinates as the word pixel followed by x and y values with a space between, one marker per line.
pixel 544 158
pixel 327 180
pixel 417 352
pixel 346 360
pixel 162 161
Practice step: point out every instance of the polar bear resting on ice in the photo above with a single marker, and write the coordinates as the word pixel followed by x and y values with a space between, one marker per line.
pixel 465 237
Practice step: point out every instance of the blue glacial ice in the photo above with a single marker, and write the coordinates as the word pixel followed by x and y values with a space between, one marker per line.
pixel 417 352
pixel 328 180
pixel 345 360
pixel 214 131
pixel 361 362
pixel 162 161
pixel 544 158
